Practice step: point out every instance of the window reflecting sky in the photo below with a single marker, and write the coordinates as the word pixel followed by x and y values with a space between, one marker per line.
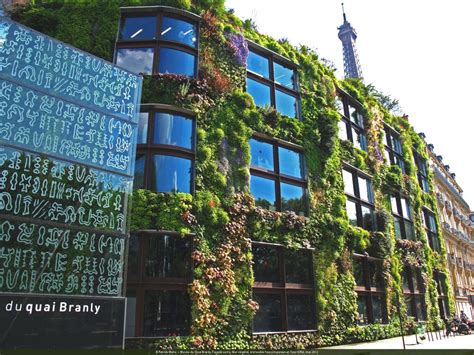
pixel 285 104
pixel 261 154
pixel 263 190
pixel 348 183
pixel 292 198
pixel 136 60
pixel 142 128
pixel 176 62
pixel 291 162
pixel 173 130
pixel 258 64
pixel 260 92
pixel 135 28
pixel 171 174
pixel 139 176
pixel 284 76
pixel 179 31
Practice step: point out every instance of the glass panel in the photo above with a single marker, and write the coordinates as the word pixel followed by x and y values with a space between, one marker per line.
pixel 284 76
pixel 348 182
pixel 179 31
pixel 258 64
pixel 343 130
pixel 432 222
pixel 291 162
pixel 292 198
pixel 406 210
pixel 300 312
pixel 166 313
pixel 409 304
pixel 358 271
pixel 405 280
pixel 268 316
pixel 425 185
pixel 351 212
pixel 356 117
pixel 138 28
pixel 340 105
pixel 298 266
pixel 359 140
pixel 393 202
pixel 285 104
pixel 131 312
pixel 362 317
pixel 396 145
pixel 261 154
pixel 139 174
pixel 260 93
pixel 387 156
pixel 420 308
pixel 399 161
pixel 377 307
pixel 171 174
pixel 398 228
pixel 375 274
pixel 263 190
pixel 365 189
pixel 168 256
pixel 409 230
pixel 174 61
pixel 266 267
pixel 136 60
pixel 368 218
pixel 133 256
pixel 142 128
pixel 175 130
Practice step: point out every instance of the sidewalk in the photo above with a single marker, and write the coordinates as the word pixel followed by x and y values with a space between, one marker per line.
pixel 459 342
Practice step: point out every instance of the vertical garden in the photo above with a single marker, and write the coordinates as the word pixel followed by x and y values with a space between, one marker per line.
pixel 225 222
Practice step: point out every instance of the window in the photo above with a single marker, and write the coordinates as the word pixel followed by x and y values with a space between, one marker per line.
pixel 156 42
pixel 440 279
pixel 159 271
pixel 271 81
pixel 414 292
pixel 166 150
pixel 359 199
pixel 283 289
pixel 393 148
pixel 431 228
pixel 351 125
pixel 402 218
pixel 277 175
pixel 422 171
pixel 370 289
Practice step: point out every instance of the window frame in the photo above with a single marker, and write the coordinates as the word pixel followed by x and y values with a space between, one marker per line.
pixel 276 175
pixel 390 134
pixel 368 291
pixel 442 293
pixel 149 149
pixel 142 283
pixel 346 101
pixel 432 236
pixel 422 171
pixel 355 198
pixel 284 288
pixel 399 215
pixel 273 58
pixel 158 42
pixel 410 273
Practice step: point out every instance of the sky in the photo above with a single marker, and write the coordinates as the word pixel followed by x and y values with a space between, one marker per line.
pixel 418 52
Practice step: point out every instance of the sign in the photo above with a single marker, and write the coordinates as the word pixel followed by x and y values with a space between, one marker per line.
pixel 68 127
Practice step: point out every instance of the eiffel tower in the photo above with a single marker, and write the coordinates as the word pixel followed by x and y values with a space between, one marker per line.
pixel 348 35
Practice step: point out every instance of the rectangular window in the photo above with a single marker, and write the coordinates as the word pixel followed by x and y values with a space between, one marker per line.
pixel 159 272
pixel 402 217
pixel 277 175
pixel 414 291
pixel 431 229
pixel 393 148
pixel 271 81
pixel 422 171
pixel 351 125
pixel 359 199
pixel 283 289
pixel 370 288
pixel 165 151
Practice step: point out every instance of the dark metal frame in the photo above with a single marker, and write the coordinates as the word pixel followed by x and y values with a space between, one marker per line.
pixel 275 58
pixel 356 198
pixel 283 289
pixel 389 133
pixel 368 290
pixel 149 149
pixel 404 220
pixel 442 294
pixel 347 101
pixel 141 284
pixel 433 237
pixel 158 42
pixel 422 171
pixel 410 274
pixel 275 175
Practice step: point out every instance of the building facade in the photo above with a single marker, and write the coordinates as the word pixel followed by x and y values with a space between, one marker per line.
pixel 458 231
pixel 275 207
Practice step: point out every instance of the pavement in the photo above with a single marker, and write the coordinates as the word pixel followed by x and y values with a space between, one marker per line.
pixel 459 342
